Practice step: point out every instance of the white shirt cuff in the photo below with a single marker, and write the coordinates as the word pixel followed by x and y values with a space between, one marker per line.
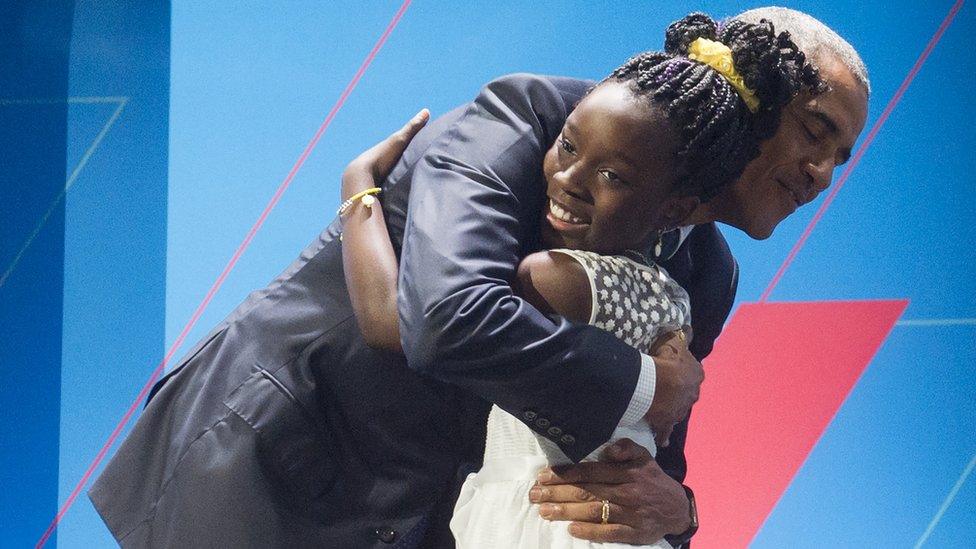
pixel 640 403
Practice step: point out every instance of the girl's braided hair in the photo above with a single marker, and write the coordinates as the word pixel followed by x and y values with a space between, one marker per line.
pixel 717 133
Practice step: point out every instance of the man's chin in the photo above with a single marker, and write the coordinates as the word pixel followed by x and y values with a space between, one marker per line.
pixel 756 232
pixel 761 234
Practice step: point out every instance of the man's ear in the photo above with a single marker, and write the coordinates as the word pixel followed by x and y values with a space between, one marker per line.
pixel 679 209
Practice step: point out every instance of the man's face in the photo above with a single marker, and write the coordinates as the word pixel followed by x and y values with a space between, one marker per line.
pixel 815 136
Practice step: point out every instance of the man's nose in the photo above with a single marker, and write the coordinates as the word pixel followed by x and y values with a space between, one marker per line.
pixel 821 172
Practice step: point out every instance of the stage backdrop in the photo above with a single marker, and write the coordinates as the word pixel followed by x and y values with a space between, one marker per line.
pixel 141 141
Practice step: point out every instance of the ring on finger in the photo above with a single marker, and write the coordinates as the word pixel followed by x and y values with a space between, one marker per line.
pixel 605 512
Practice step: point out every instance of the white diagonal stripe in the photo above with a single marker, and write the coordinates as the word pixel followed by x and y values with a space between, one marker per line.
pixel 74 173
pixel 937 322
pixel 70 100
pixel 947 502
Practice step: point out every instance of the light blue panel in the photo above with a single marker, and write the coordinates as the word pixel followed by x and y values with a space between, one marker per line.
pixel 903 227
pixel 97 341
pixel 907 215
pixel 889 458
pixel 889 36
pixel 954 527
pixel 115 236
pixel 251 84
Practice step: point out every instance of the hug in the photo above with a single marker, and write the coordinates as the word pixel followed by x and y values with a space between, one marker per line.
pixel 539 269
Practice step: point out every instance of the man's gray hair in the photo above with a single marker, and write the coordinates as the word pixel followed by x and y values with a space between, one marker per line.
pixel 811 36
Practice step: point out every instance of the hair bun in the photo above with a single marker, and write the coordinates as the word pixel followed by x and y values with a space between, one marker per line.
pixel 686 30
pixel 769 62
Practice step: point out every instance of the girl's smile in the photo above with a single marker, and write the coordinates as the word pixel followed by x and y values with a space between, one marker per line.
pixel 610 173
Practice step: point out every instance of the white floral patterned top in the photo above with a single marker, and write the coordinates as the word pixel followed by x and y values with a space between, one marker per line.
pixel 635 302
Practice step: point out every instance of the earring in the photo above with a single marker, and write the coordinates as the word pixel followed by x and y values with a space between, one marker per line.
pixel 660 244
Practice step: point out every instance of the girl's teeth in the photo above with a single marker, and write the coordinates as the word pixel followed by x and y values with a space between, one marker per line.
pixel 563 214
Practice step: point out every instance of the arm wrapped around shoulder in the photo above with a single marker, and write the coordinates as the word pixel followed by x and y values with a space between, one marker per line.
pixel 476 200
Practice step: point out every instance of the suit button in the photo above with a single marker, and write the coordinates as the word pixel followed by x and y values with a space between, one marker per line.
pixel 568 439
pixel 529 415
pixel 386 534
pixel 555 432
pixel 542 422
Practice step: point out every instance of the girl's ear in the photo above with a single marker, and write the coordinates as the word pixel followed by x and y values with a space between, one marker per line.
pixel 678 209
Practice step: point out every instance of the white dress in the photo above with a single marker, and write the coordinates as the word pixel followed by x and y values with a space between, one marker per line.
pixel 635 302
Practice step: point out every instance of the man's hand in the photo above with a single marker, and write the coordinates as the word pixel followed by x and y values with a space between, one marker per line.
pixel 679 379
pixel 645 503
pixel 373 166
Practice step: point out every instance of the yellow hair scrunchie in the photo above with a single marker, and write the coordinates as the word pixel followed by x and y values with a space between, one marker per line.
pixel 719 57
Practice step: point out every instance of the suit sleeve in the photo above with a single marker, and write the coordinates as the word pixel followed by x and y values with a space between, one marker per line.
pixel 476 198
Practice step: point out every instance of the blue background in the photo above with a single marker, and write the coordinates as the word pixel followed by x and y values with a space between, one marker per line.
pixel 208 105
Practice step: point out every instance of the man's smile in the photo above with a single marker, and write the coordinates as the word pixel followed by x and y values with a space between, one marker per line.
pixel 799 197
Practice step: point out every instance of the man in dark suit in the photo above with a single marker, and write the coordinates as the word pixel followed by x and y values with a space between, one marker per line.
pixel 282 428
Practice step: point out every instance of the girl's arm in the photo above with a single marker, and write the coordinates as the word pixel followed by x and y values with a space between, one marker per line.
pixel 369 262
pixel 550 281
pixel 555 283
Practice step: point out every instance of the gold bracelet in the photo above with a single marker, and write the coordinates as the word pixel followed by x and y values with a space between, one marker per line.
pixel 366 195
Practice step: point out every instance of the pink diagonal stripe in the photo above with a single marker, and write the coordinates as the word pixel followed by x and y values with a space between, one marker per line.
pixel 862 149
pixel 777 386
pixel 223 275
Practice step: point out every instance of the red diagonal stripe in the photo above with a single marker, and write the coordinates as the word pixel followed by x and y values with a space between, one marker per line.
pixel 778 375
pixel 223 275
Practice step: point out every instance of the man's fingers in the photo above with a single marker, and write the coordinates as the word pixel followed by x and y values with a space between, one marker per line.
pixel 664 348
pixel 568 493
pixel 608 533
pixel 591 472
pixel 591 512
pixel 613 468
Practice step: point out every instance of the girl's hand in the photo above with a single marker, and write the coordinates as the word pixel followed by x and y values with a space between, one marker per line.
pixel 373 166
pixel 673 342
pixel 678 385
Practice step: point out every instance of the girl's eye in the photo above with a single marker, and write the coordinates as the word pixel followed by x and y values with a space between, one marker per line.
pixel 566 145
pixel 611 176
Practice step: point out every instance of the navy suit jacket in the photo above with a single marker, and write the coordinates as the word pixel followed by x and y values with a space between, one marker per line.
pixel 282 428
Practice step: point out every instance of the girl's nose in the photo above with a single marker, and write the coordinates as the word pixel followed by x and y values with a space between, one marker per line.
pixel 572 182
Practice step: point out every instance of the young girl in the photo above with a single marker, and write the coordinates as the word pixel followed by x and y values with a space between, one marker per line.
pixel 661 134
